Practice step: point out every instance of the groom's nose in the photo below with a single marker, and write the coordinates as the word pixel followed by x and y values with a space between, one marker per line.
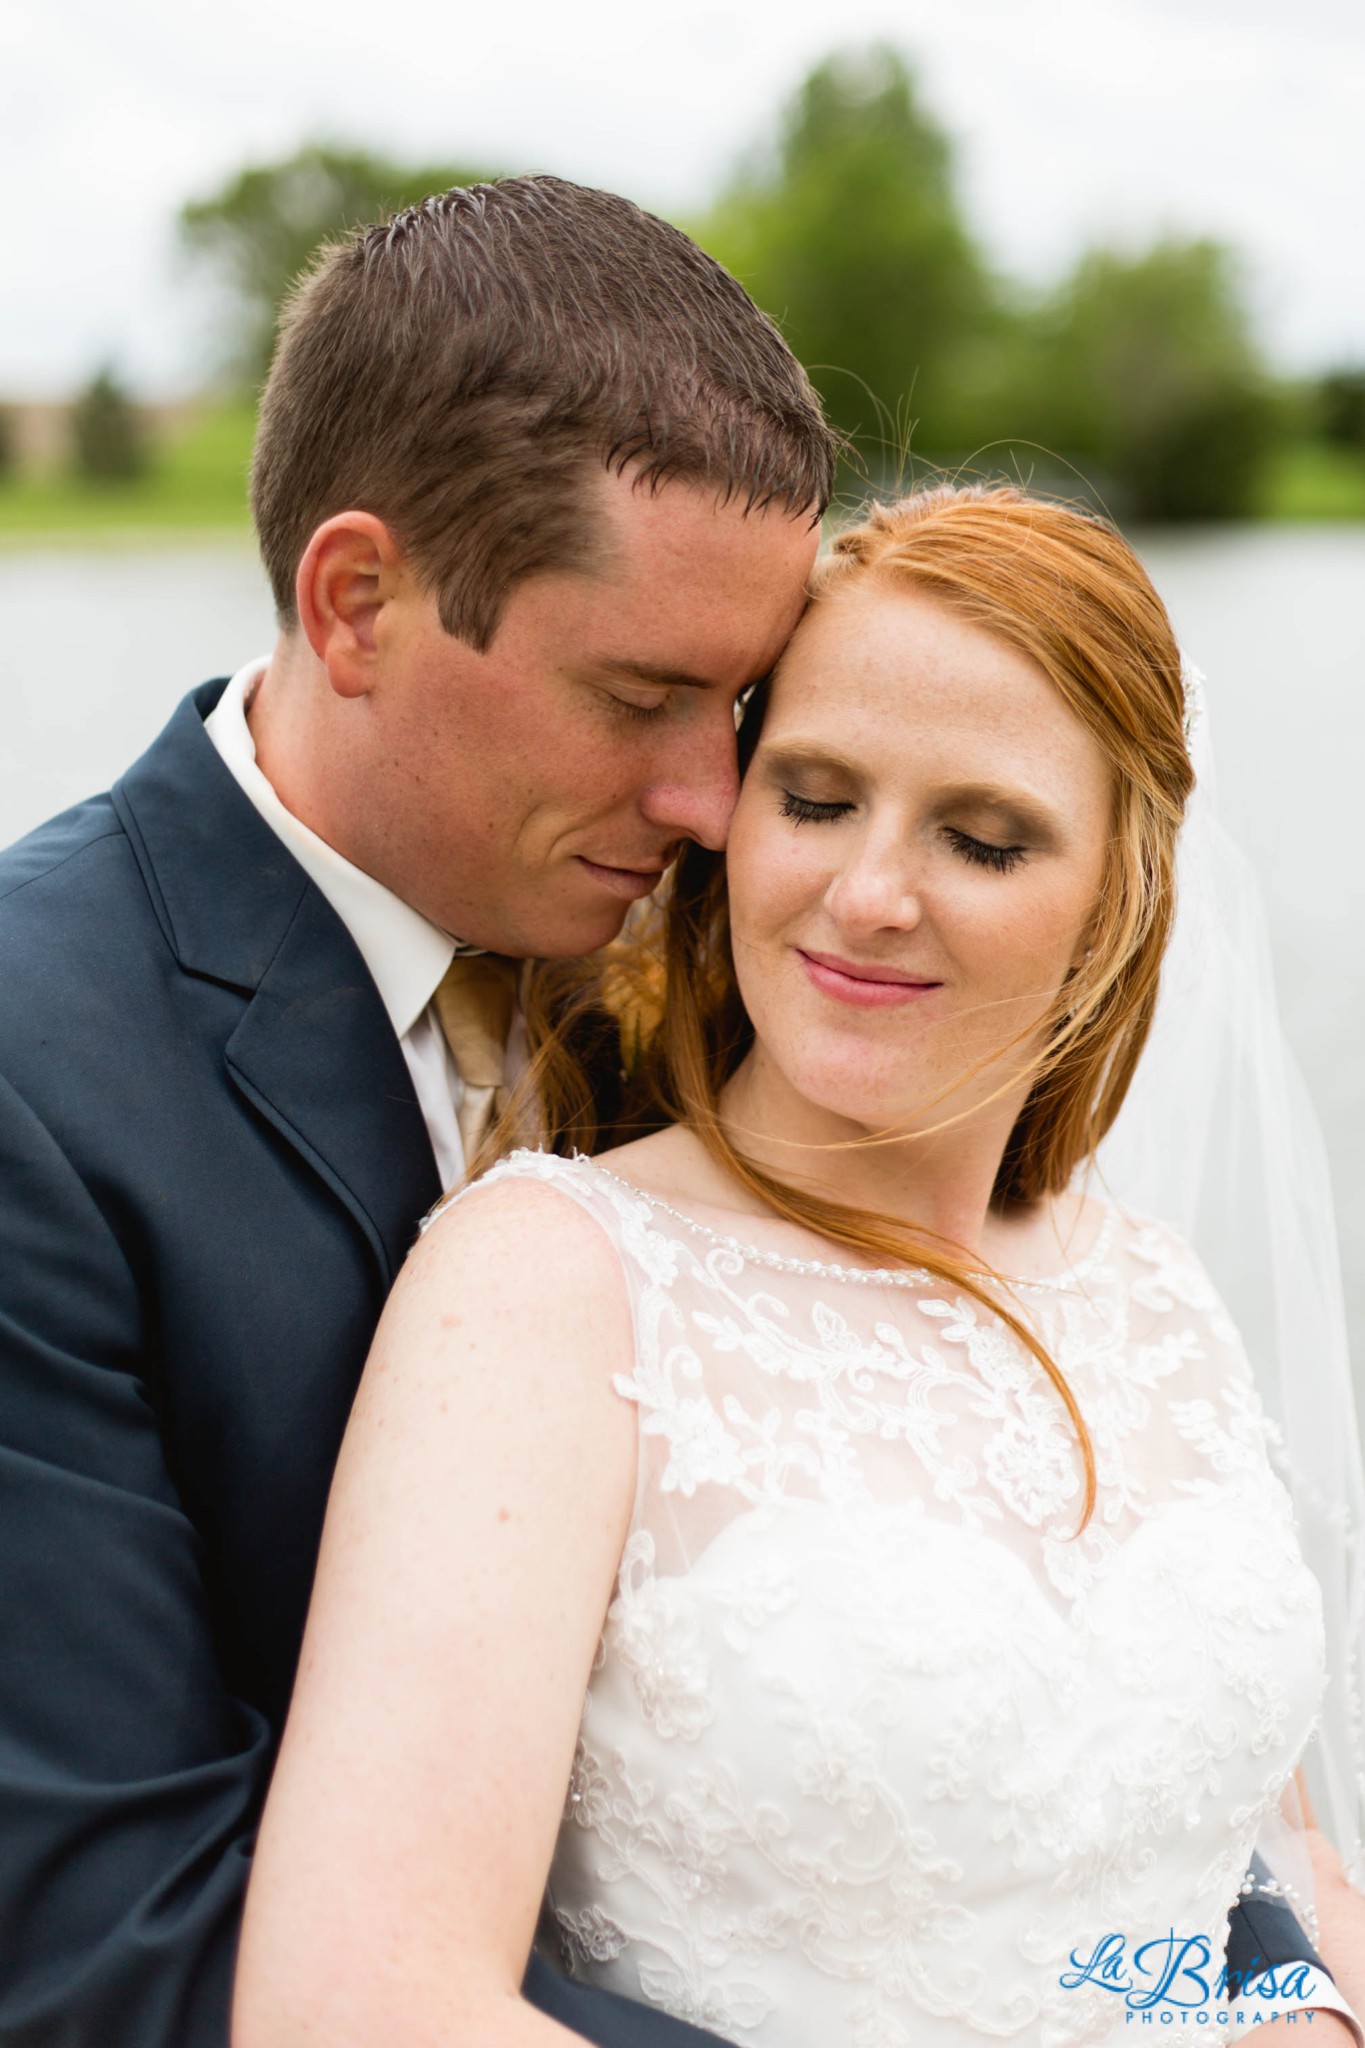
pixel 694 794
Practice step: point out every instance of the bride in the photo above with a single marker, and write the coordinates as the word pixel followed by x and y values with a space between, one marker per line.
pixel 956 1623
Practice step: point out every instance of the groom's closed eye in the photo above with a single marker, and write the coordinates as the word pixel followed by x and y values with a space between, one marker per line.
pixel 650 674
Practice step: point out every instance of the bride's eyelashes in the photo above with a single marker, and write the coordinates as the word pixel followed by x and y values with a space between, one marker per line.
pixel 982 853
pixel 804 810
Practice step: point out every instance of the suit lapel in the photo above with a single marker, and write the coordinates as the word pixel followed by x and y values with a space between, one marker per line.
pixel 314 1050
pixel 316 1053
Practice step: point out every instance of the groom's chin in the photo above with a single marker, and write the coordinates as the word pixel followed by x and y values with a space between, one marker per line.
pixel 585 927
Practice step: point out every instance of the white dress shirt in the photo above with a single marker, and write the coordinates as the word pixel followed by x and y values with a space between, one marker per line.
pixel 1265 1997
pixel 405 953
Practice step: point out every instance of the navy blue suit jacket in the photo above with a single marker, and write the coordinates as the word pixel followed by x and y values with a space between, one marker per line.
pixel 212 1165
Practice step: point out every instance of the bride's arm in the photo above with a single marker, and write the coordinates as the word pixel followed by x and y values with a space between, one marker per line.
pixel 1340 1908
pixel 474 1529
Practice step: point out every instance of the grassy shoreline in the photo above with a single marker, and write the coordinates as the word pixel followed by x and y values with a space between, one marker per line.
pixel 196 491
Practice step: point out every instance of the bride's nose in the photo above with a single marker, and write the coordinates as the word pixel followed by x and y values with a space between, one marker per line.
pixel 876 889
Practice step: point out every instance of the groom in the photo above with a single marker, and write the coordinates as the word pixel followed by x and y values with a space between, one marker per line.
pixel 537 488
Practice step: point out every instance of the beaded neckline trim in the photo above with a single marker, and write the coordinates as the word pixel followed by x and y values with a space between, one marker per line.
pixel 865 1276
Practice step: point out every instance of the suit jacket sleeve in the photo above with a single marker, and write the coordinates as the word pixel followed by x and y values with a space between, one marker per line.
pixel 129 1781
pixel 1263 1930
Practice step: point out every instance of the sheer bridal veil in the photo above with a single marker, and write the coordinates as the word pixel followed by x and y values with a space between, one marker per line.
pixel 1218 1136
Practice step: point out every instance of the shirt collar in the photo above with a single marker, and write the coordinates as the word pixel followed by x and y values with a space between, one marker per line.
pixel 405 953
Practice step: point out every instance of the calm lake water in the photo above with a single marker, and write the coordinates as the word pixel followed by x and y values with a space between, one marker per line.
pixel 98 648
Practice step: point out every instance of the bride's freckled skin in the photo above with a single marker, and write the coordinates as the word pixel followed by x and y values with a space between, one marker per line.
pixel 913 870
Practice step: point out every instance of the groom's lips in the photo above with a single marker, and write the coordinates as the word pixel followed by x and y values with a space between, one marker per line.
pixel 629 883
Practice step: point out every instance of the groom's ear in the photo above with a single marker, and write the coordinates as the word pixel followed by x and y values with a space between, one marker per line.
pixel 351 568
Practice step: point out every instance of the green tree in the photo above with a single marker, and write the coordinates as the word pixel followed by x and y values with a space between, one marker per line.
pixel 848 233
pixel 108 442
pixel 1341 407
pixel 263 227
pixel 1143 370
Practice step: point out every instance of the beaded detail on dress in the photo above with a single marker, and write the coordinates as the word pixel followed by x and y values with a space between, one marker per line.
pixel 873 1744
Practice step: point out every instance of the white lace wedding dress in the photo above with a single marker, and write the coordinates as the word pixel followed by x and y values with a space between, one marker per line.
pixel 872 1747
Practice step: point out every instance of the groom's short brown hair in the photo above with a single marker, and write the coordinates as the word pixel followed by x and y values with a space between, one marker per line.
pixel 458 371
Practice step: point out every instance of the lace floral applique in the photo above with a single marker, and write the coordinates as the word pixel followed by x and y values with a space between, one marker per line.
pixel 588 1936
pixel 1177 1279
pixel 656 1637
pixel 757 1595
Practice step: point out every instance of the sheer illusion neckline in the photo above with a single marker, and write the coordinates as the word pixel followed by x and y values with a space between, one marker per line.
pixel 866 1276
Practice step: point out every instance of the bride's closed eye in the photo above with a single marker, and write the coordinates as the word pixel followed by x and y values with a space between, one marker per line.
pixel 983 853
pixel 805 810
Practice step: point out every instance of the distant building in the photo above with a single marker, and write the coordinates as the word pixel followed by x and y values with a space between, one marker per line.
pixel 41 429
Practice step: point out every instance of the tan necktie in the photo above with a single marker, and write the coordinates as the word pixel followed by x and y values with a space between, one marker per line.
pixel 474 1001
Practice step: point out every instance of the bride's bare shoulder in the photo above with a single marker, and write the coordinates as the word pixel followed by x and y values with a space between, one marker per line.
pixel 530 1234
pixel 662 1155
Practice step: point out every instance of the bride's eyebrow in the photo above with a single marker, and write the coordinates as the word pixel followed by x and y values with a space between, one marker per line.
pixel 792 755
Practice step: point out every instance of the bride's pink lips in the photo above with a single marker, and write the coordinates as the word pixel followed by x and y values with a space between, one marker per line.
pixel 866 988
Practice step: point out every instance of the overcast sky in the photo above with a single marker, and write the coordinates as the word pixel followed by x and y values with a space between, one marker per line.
pixel 1074 120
